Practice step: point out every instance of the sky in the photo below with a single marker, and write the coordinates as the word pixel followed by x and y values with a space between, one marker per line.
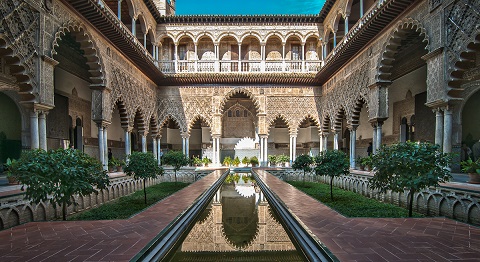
pixel 248 7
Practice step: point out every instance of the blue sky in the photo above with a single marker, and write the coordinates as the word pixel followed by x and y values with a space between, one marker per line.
pixel 248 7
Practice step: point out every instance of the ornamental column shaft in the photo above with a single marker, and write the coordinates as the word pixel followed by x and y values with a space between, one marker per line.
pixel 447 130
pixel 42 130
pixel 119 10
pixel 101 145
pixel 379 135
pixel 105 147
pixel 144 142
pixel 128 146
pixel 439 127
pixel 34 141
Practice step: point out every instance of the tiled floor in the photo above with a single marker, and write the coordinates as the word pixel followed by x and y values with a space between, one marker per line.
pixel 386 239
pixel 111 240
pixel 350 239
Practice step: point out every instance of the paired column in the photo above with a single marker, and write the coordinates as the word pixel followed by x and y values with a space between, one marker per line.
pixel 240 57
pixel 293 147
pixel 263 150
pixel 335 139
pixel 283 57
pixel 42 129
pixel 159 150
pixel 320 135
pixel 119 9
pixel 374 138
pixel 346 25
pixel 303 57
pixel 102 144
pixel 144 141
pixel 325 141
pixel 154 146
pixel 447 129
pixel 134 27
pixel 175 56
pixel 334 39
pixel 186 145
pixel 353 145
pixel 34 134
pixel 216 149
pixel 438 127
pixel 128 143
pixel 196 57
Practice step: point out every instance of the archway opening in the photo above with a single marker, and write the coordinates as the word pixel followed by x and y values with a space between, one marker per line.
pixel 71 118
pixel 200 138
pixel 228 49
pixel 471 123
pixel 171 135
pixel 10 129
pixel 279 137
pixel 239 120
pixel 308 137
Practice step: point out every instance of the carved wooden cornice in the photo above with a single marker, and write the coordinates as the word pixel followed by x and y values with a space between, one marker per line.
pixel 245 19
pixel 240 78
pixel 366 29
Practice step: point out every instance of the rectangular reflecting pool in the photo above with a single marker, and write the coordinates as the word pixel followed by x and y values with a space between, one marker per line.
pixel 238 225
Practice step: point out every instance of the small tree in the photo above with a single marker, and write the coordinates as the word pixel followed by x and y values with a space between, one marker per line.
pixel 246 161
pixel 176 159
pixel 411 166
pixel 236 161
pixel 332 163
pixel 227 161
pixel 303 162
pixel 142 166
pixel 58 175
pixel 254 161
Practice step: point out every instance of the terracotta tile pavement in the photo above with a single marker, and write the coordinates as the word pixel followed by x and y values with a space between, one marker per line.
pixel 380 239
pixel 350 239
pixel 106 240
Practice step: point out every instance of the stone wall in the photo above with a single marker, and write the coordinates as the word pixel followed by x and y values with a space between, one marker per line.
pixel 462 205
pixel 14 210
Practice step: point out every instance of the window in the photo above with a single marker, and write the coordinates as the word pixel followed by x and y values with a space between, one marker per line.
pixel 296 51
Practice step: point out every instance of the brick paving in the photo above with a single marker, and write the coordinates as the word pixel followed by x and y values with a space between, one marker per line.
pixel 350 239
pixel 380 239
pixel 106 240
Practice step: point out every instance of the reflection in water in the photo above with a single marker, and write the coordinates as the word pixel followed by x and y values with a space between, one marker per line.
pixel 238 225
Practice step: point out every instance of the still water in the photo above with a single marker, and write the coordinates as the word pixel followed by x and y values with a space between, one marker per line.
pixel 237 225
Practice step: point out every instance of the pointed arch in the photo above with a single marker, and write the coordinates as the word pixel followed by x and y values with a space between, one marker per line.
pixel 88 45
pixel 198 117
pixel 390 48
pixel 234 91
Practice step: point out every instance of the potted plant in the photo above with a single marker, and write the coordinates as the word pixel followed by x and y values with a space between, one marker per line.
pixel 358 161
pixel 227 161
pixel 283 159
pixel 246 161
pixel 473 169
pixel 11 179
pixel 206 161
pixel 254 161
pixel 366 162
pixel 120 164
pixel 273 160
pixel 236 161
pixel 196 161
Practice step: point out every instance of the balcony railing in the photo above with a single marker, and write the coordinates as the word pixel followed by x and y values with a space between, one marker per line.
pixel 226 66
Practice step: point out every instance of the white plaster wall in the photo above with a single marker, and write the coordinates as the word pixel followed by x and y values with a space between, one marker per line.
pixel 206 137
pixel 364 129
pixel 115 131
pixel 279 135
pixel 415 81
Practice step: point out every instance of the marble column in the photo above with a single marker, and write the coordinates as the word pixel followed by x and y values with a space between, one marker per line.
pixel 447 130
pixel 303 57
pixel 42 130
pixel 154 146
pixel 335 140
pixel 374 138
pixel 261 151
pixel 101 146
pixel 105 146
pixel 119 10
pixel 291 150
pixel 283 57
pixel 187 146
pixel 379 135
pixel 334 39
pixel 128 146
pixel 144 141
pixel 218 150
pixel 439 127
pixel 325 141
pixel 159 150
pixel 175 56
pixel 240 57
pixel 353 146
pixel 214 147
pixel 294 151
pixel 321 142
pixel 346 25
pixel 361 8
pixel 196 57
pixel 134 27
pixel 34 136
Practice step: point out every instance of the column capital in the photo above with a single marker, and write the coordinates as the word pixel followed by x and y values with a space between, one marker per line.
pixel 377 121
pixel 293 134
pixel 352 127
pixel 128 129
pixel 102 123
pixel 263 135
pixel 380 84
